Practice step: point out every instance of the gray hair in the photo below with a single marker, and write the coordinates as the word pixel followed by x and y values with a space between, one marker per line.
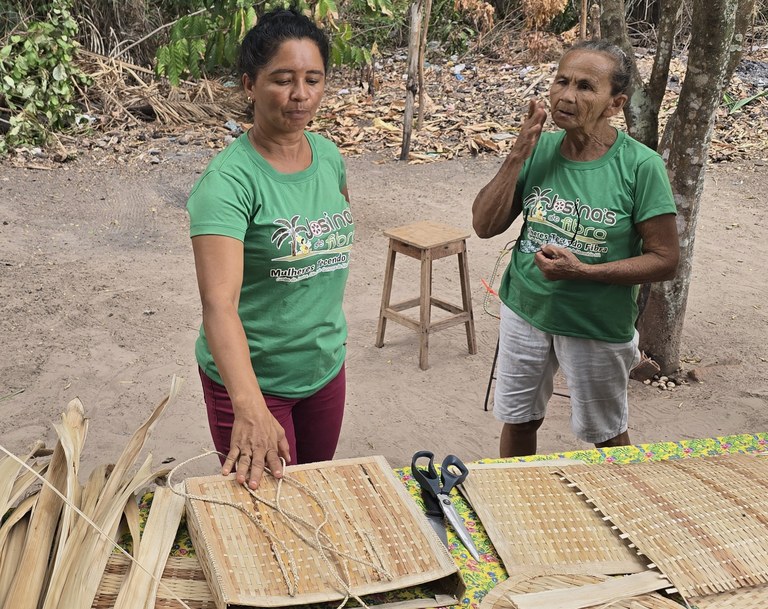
pixel 622 73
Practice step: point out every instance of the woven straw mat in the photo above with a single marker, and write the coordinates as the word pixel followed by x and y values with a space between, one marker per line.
pixel 546 580
pixel 702 521
pixel 370 517
pixel 182 575
pixel 744 598
pixel 534 520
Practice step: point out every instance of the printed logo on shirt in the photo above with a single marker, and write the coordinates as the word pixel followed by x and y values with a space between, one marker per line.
pixel 552 220
pixel 316 246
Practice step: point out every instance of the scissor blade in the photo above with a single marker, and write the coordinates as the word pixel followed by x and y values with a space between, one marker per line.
pixel 458 525
pixel 438 525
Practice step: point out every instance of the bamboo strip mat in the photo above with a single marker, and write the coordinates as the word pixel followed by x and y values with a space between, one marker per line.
pixel 744 598
pixel 703 521
pixel 534 520
pixel 183 576
pixel 546 580
pixel 370 516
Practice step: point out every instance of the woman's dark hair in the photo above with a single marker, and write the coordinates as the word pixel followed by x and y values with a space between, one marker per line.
pixel 622 72
pixel 272 29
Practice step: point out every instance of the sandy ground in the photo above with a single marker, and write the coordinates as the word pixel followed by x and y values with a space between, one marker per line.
pixel 99 301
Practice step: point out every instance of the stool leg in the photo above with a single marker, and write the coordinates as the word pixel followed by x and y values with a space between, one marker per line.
pixel 425 306
pixel 466 299
pixel 389 273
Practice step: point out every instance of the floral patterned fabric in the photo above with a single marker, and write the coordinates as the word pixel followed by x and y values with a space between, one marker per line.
pixel 481 576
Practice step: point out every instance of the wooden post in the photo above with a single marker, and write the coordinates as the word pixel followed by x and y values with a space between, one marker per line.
pixel 583 21
pixel 422 51
pixel 417 9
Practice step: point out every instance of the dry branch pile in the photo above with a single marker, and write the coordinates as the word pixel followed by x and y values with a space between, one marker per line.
pixel 51 556
pixel 474 105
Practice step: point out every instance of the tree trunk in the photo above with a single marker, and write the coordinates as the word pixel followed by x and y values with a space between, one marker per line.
pixel 684 147
pixel 745 17
pixel 411 86
pixel 665 42
pixel 594 22
pixel 422 52
pixel 642 121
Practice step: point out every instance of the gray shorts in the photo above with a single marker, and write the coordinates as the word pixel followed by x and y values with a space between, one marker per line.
pixel 597 373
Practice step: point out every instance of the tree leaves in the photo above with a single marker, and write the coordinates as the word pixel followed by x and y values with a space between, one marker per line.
pixel 40 79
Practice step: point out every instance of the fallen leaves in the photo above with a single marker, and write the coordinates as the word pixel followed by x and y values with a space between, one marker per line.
pixel 472 107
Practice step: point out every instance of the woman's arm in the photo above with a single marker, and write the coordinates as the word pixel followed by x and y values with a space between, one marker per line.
pixel 257 438
pixel 495 206
pixel 658 262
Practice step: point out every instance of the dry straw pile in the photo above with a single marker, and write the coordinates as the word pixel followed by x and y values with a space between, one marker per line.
pixel 57 539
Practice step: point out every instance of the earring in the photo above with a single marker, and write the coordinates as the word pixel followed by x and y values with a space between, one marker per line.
pixel 250 101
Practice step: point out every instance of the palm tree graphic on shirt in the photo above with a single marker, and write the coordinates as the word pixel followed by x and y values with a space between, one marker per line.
pixel 290 230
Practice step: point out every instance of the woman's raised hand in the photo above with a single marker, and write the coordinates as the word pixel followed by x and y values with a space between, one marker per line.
pixel 531 129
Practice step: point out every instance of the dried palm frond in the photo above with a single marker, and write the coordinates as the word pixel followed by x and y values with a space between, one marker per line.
pixel 77 575
pixel 132 520
pixel 93 487
pixel 26 591
pixel 12 544
pixel 9 478
pixel 72 434
pixel 26 479
pixel 122 92
pixel 139 589
pixel 10 555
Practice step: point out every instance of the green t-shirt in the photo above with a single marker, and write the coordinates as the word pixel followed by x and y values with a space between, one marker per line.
pixel 297 232
pixel 591 208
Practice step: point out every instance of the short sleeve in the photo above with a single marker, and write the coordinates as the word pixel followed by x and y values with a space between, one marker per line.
pixel 219 205
pixel 653 193
pixel 342 172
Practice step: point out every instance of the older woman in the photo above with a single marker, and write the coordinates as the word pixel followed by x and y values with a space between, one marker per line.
pixel 598 219
pixel 271 233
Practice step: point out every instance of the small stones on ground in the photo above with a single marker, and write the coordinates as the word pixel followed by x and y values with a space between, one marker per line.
pixel 663 382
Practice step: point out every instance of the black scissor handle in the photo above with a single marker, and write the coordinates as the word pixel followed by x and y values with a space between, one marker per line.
pixel 426 477
pixel 450 477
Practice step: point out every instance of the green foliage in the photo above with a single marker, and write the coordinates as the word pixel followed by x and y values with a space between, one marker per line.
pixel 565 20
pixel 40 79
pixel 205 42
pixel 344 52
pixel 386 27
pixel 449 27
pixel 209 42
pixel 734 105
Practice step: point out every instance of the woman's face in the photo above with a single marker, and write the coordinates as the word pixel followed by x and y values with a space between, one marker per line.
pixel 580 95
pixel 287 91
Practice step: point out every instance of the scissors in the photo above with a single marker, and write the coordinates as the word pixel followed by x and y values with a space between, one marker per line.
pixel 435 490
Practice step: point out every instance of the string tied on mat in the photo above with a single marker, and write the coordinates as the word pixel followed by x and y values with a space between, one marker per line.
pixel 290 572
pixel 98 529
pixel 320 541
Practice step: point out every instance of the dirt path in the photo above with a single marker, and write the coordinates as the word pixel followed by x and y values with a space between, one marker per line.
pixel 99 301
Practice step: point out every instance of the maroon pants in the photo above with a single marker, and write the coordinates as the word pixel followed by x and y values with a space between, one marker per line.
pixel 312 424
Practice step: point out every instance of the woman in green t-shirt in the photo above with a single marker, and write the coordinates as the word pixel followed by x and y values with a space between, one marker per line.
pixel 598 219
pixel 271 231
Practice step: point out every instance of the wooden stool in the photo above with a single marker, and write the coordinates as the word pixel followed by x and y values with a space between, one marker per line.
pixel 427 241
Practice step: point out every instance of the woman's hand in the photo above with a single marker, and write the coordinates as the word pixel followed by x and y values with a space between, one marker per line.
pixel 257 441
pixel 530 130
pixel 558 263
pixel 658 262
pixel 497 204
